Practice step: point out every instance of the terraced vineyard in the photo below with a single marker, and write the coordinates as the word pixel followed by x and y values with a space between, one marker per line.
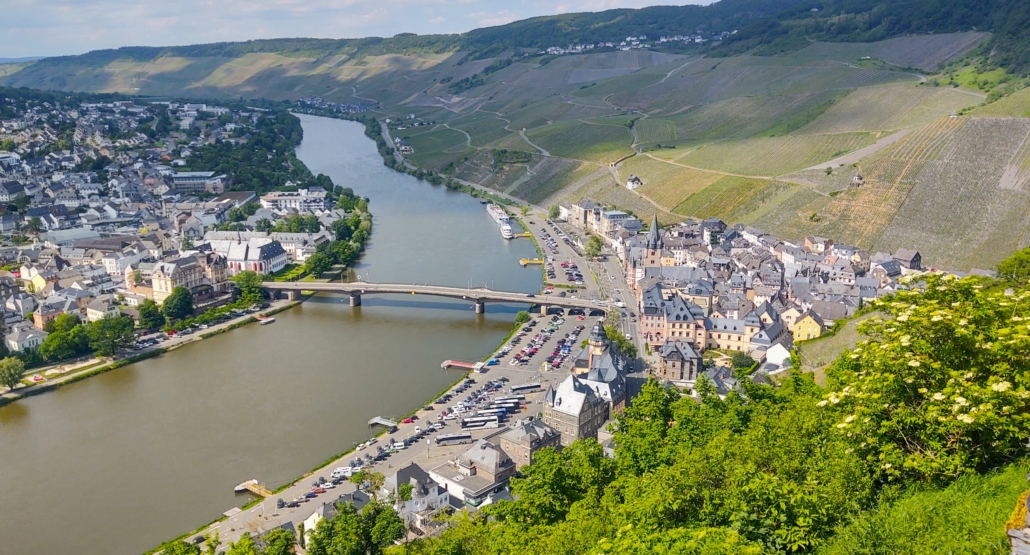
pixel 772 156
pixel 653 130
pixel 958 214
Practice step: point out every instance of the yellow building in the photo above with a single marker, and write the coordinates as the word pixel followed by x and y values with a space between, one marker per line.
pixel 808 326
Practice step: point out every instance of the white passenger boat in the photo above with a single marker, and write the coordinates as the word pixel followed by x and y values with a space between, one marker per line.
pixel 506 231
pixel 497 213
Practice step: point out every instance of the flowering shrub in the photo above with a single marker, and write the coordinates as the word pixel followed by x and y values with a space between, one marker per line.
pixel 939 388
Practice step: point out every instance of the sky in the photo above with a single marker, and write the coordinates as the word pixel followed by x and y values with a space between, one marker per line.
pixel 58 27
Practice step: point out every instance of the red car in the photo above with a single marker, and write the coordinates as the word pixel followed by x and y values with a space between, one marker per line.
pixel 407 421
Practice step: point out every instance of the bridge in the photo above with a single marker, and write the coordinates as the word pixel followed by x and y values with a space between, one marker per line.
pixel 478 296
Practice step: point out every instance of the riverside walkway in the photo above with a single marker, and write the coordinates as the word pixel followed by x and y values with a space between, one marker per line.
pixel 479 296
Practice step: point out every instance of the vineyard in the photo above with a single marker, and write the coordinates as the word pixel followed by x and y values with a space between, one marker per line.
pixel 958 214
pixel 1016 104
pixel 722 197
pixel 582 141
pixel 655 131
pixel 771 156
pixel 666 184
pixel 889 107
pixel 924 52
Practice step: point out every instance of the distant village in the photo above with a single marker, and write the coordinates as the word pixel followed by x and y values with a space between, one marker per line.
pixel 98 226
pixel 635 42
pixel 706 285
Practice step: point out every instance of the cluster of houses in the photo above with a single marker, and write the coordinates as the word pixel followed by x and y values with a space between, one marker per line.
pixel 705 285
pixel 99 242
pixel 634 42
pixel 318 102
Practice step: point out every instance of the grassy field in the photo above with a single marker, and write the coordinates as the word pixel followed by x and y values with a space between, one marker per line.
pixel 668 185
pixel 816 354
pixel 435 148
pixel 583 141
pixel 774 155
pixel 653 130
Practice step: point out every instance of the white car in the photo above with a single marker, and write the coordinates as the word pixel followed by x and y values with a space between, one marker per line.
pixel 418 430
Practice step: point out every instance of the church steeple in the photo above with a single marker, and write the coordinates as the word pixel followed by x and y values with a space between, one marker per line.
pixel 654 235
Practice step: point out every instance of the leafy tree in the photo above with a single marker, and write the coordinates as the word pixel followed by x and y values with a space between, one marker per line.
pixel 11 371
pixel 620 341
pixel 35 225
pixel 264 225
pixel 594 246
pixel 1016 267
pixel 376 527
pixel 243 546
pixel 341 230
pixel 61 345
pixel 279 542
pixel 249 285
pixel 318 264
pixel 109 335
pixel 179 304
pixel 554 212
pixel 404 492
pixel 741 359
pixel 521 317
pixel 187 244
pixel 150 315
pixel 179 547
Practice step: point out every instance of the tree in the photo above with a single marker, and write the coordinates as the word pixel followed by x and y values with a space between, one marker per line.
pixel 34 224
pixel 521 317
pixel 318 264
pixel 264 225
pixel 404 492
pixel 243 546
pixel 741 359
pixel 179 304
pixel 279 542
pixel 137 277
pixel 594 246
pixel 524 210
pixel 150 316
pixel 11 371
pixel 109 335
pixel 179 547
pixel 249 285
pixel 186 244
pixel 554 212
pixel 1016 267
pixel 376 527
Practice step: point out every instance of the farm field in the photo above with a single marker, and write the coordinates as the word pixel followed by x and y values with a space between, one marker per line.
pixel 773 156
pixel 653 130
pixel 435 148
pixel 583 141
pixel 924 52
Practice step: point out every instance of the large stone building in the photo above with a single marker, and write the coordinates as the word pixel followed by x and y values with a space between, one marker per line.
pixel 575 410
pixel 427 498
pixel 183 272
pixel 679 363
pixel 527 438
pixel 304 200
pixel 601 368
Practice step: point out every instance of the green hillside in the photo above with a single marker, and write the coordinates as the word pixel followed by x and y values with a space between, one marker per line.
pixel 741 128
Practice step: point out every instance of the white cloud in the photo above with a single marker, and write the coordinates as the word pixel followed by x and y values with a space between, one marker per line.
pixel 440 19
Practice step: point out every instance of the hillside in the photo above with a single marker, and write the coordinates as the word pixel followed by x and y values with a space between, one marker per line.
pixel 742 128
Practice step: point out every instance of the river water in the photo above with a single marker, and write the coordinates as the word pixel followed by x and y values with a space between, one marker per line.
pixel 120 462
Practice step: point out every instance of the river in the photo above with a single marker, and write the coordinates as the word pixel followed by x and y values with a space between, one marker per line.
pixel 120 462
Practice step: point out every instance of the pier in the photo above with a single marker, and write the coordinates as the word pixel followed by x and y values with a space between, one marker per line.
pixel 254 487
pixel 456 364
pixel 380 421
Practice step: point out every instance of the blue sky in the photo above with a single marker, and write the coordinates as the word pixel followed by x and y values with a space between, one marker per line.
pixel 55 27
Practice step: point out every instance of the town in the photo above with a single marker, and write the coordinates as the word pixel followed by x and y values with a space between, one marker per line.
pixel 109 214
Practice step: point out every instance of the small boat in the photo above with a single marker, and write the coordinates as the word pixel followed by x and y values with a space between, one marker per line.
pixel 242 487
pixel 264 320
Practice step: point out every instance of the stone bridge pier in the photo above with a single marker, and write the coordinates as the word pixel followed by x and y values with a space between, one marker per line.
pixel 355 298
pixel 480 307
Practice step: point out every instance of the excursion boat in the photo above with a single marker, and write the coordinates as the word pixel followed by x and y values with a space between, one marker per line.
pixel 264 319
pixel 497 213
pixel 506 231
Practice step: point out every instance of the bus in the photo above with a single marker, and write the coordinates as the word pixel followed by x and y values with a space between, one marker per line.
pixel 526 388
pixel 453 439
pixel 499 412
pixel 475 422
pixel 510 398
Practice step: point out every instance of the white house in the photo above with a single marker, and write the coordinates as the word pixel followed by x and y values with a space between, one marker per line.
pixel 427 497
pixel 25 338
